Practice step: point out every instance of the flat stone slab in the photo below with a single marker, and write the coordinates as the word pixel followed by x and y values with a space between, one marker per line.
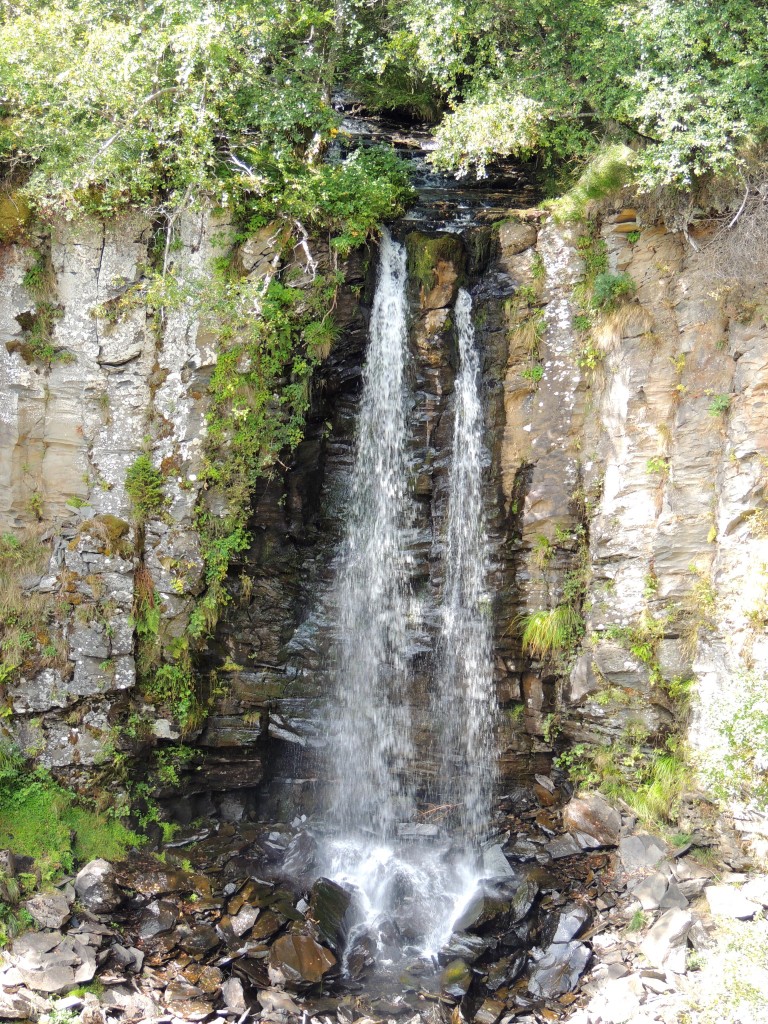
pixel 728 901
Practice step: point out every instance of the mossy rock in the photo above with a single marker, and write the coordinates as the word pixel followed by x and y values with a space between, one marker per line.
pixel 15 213
pixel 424 253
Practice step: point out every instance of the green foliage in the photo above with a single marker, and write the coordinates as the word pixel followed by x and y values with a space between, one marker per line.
pixel 608 288
pixel 657 464
pixel 736 771
pixel 604 174
pixel 552 634
pixel 651 782
pixel 29 637
pixel 720 405
pixel 533 373
pixel 40 818
pixel 193 99
pixel 145 487
pixel 175 686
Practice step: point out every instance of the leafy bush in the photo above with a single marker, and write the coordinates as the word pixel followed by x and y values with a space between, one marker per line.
pixel 608 288
pixel 145 487
pixel 719 405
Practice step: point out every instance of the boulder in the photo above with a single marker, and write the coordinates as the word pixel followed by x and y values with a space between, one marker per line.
pixel 640 852
pixel 595 817
pixel 157 917
pixel 665 944
pixel 497 905
pixel 329 907
pixel 728 901
pixel 49 909
pixel 300 960
pixel 559 969
pixel 456 979
pixel 96 887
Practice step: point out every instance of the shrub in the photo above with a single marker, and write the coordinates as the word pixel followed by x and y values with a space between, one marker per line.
pixel 719 405
pixel 533 373
pixel 608 288
pixel 144 486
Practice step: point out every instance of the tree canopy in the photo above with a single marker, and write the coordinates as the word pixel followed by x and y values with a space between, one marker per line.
pixel 105 103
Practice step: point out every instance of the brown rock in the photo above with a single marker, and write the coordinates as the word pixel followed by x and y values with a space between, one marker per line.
pixel 594 816
pixel 516 237
pixel 300 959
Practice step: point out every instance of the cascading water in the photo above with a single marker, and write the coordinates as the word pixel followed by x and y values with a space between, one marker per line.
pixel 372 743
pixel 404 888
pixel 464 699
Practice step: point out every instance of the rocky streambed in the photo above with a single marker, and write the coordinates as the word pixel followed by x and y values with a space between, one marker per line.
pixel 579 916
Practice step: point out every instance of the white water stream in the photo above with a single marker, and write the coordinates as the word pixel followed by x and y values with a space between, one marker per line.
pixel 409 891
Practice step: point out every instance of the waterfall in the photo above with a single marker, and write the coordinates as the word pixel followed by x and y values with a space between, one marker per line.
pixel 464 697
pixel 412 881
pixel 371 743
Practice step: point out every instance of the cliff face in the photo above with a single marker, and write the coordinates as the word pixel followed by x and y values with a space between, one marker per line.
pixel 627 477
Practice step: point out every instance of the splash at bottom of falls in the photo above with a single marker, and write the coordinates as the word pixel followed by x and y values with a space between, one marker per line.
pixel 408 897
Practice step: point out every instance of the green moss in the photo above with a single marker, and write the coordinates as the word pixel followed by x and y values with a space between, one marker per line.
pixel 39 818
pixel 14 215
pixel 424 253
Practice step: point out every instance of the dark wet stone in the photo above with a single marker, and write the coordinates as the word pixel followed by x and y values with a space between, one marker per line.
pixel 300 959
pixel 559 969
pixel 498 905
pixel 196 939
pixel 456 979
pixel 157 917
pixel 152 880
pixel 300 856
pixel 180 990
pixel 505 971
pixel 267 924
pixel 570 845
pixel 464 947
pixel 253 971
pixel 361 956
pixel 329 908
pixel 96 887
pixel 283 902
pixel 489 1012
pixel 523 849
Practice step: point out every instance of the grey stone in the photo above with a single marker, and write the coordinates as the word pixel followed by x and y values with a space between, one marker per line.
pixel 157 917
pixel 640 852
pixel 728 901
pixel 50 910
pixel 558 970
pixel 233 995
pixel 665 944
pixel 570 922
pixel 96 887
pixel 756 890
pixel 651 890
pixel 244 920
pixel 20 1004
pixel 495 864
